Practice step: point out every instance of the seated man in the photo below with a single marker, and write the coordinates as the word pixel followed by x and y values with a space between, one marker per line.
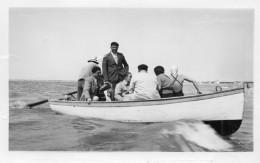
pixel 143 85
pixel 178 82
pixel 122 88
pixel 164 82
pixel 92 86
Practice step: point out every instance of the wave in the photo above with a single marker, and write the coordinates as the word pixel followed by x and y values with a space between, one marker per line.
pixel 194 135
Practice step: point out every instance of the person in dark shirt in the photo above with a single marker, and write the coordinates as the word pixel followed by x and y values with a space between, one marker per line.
pixel 164 82
pixel 114 66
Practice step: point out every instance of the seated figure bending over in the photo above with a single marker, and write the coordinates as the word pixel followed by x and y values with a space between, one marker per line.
pixel 178 81
pixel 165 83
pixel 122 88
pixel 92 86
pixel 143 85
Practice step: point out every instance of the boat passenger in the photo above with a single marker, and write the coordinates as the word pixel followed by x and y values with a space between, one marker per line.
pixel 122 88
pixel 164 82
pixel 143 86
pixel 114 66
pixel 92 87
pixel 178 81
pixel 85 73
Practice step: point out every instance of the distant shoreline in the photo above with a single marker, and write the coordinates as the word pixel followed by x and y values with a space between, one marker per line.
pixel 42 80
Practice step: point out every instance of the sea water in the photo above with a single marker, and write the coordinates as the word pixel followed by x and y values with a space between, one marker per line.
pixel 41 129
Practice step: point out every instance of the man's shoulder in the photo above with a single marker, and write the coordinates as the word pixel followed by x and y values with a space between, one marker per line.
pixel 89 79
pixel 107 54
pixel 160 76
pixel 118 53
pixel 151 77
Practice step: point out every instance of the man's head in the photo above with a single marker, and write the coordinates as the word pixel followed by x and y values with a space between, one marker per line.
pixel 174 69
pixel 158 70
pixel 142 67
pixel 96 72
pixel 128 77
pixel 114 47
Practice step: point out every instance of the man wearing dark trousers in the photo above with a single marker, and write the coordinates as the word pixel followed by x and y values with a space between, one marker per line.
pixel 114 67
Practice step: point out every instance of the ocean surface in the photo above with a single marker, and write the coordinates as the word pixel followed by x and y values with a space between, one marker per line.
pixel 41 129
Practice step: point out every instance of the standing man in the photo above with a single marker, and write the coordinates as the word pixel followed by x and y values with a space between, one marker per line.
pixel 114 67
pixel 85 73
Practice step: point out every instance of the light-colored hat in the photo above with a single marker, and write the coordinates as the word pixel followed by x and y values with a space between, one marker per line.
pixel 93 59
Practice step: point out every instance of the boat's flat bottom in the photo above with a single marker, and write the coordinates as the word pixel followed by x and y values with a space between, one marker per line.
pixel 225 127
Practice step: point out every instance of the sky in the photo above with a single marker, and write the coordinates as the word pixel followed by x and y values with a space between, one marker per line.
pixel 206 44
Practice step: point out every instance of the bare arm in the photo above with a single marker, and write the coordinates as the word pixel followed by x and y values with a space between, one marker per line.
pixel 192 81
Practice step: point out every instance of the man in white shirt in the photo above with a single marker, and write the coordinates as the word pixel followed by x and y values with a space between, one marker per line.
pixel 143 85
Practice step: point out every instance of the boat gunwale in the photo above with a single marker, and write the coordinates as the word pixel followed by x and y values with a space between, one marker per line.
pixel 161 101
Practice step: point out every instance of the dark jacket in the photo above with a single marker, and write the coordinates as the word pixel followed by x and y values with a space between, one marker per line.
pixel 113 72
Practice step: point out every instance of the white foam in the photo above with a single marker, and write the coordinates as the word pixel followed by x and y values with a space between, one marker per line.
pixel 200 134
pixel 18 105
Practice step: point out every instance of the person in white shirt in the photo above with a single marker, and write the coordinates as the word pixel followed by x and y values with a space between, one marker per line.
pixel 143 86
pixel 84 74
pixel 122 88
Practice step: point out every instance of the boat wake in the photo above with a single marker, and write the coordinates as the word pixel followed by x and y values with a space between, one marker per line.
pixel 193 135
pixel 177 136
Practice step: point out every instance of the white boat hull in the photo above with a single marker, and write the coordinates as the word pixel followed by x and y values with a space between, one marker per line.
pixel 226 107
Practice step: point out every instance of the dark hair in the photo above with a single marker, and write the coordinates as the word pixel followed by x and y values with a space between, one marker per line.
pixel 142 67
pixel 95 69
pixel 158 70
pixel 114 43
pixel 126 74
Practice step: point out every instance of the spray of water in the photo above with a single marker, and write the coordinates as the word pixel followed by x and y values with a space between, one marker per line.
pixel 18 105
pixel 191 134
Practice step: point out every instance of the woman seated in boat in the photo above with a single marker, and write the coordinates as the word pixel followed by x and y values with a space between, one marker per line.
pixel 122 88
pixel 143 86
pixel 178 81
pixel 165 83
pixel 92 86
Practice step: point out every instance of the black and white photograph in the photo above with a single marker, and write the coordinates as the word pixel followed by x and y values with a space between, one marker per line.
pixel 131 79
